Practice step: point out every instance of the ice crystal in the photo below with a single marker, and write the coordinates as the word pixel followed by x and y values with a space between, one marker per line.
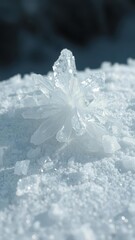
pixel 72 106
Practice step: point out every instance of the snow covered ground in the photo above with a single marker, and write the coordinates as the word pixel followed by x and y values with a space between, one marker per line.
pixel 65 190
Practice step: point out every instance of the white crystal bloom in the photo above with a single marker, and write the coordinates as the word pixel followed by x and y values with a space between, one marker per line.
pixel 70 107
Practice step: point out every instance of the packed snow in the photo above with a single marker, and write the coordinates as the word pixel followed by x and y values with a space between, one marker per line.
pixel 67 153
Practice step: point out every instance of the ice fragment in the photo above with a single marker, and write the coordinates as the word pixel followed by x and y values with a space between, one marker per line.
pixel 21 167
pixel 84 233
pixel 128 141
pixel 128 163
pixel 110 144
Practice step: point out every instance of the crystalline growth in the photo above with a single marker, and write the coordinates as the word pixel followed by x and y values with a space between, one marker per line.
pixel 65 70
pixel 72 104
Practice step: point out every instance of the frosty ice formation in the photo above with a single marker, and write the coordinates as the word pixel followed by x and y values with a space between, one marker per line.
pixel 72 108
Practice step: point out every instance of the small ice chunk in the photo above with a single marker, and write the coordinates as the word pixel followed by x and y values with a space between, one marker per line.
pixel 131 208
pixel 21 167
pixel 71 162
pixel 28 101
pixel 128 163
pixel 56 211
pixel 84 233
pixel 128 141
pixel 110 144
pixel 48 165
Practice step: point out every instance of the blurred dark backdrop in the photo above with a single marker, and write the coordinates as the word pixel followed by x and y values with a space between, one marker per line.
pixel 33 32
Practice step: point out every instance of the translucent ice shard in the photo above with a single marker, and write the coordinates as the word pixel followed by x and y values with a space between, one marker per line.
pixel 21 167
pixel 64 70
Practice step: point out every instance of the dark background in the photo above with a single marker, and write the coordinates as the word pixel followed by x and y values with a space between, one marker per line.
pixel 33 32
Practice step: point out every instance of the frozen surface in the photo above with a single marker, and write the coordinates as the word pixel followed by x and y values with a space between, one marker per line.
pixel 78 186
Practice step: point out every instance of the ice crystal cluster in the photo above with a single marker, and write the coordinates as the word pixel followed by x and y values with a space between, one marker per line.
pixel 67 167
pixel 72 107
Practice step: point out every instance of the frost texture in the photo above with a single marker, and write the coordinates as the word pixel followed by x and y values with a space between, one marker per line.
pixel 72 107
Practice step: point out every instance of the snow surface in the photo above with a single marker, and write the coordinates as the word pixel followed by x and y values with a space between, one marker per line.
pixel 68 193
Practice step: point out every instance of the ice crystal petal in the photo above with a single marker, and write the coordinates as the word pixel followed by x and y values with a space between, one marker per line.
pixel 95 131
pixel 91 141
pixel 74 87
pixel 46 85
pixel 110 144
pixel 78 124
pixel 64 133
pixel 41 112
pixel 47 129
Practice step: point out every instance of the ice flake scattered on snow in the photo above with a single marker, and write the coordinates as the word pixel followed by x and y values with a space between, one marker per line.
pixel 128 141
pixel 110 144
pixel 21 167
pixel 128 163
pixel 73 105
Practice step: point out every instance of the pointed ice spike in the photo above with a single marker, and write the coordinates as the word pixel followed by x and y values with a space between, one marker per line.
pixel 64 70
